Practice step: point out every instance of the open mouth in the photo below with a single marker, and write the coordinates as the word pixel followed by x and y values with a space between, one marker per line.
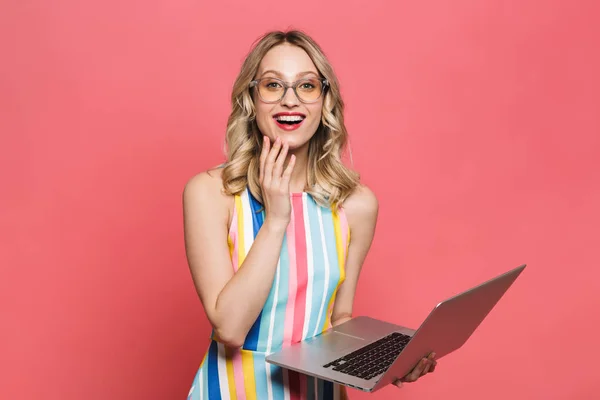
pixel 289 119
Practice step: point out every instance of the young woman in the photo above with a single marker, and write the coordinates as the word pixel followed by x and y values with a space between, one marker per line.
pixel 276 237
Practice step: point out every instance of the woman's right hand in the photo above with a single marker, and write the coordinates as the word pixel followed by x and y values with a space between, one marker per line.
pixel 275 182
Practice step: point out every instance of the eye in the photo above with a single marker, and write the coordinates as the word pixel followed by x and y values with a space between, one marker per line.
pixel 271 84
pixel 309 85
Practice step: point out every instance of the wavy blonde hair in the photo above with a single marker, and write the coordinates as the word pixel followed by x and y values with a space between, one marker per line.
pixel 330 182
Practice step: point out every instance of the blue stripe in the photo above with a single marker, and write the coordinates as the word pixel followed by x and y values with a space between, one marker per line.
pixel 327 390
pixel 214 389
pixel 260 375
pixel 277 381
pixel 319 285
pixel 251 342
pixel 257 215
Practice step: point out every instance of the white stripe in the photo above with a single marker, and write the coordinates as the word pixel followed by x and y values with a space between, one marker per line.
pixel 271 327
pixel 222 368
pixel 310 267
pixel 326 262
pixel 248 227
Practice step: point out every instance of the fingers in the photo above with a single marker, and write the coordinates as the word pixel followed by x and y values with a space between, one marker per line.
pixel 429 362
pixel 427 368
pixel 278 167
pixel 269 162
pixel 424 367
pixel 417 371
pixel 287 174
pixel 272 161
pixel 433 365
pixel 433 362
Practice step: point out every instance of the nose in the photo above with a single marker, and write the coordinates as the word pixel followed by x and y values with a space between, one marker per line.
pixel 289 98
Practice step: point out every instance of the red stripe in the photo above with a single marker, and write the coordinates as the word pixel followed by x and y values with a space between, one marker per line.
pixel 303 386
pixel 301 269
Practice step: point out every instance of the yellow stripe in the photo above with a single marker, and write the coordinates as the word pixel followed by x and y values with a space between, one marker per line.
pixel 240 221
pixel 339 247
pixel 230 375
pixel 230 244
pixel 249 378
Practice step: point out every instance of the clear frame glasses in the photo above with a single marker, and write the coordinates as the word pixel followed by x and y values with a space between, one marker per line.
pixel 307 90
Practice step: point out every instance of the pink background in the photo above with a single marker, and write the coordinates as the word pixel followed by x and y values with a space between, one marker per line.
pixel 475 122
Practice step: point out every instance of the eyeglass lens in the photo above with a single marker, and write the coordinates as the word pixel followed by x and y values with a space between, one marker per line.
pixel 308 90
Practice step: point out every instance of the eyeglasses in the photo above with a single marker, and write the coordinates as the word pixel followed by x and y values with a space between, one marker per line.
pixel 272 90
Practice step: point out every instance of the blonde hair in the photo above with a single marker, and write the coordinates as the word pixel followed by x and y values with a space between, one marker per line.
pixel 330 182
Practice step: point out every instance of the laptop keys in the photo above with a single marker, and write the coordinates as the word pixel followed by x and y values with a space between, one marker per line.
pixel 373 359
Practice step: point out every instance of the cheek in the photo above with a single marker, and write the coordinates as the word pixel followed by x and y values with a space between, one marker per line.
pixel 316 115
pixel 263 117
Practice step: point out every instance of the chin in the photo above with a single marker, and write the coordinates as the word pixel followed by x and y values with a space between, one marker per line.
pixel 294 140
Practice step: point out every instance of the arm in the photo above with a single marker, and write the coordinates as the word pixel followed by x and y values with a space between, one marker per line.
pixel 232 301
pixel 361 209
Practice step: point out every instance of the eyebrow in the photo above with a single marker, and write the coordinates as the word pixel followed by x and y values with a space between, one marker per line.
pixel 279 74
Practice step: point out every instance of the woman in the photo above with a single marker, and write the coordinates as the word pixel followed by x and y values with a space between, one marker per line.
pixel 268 233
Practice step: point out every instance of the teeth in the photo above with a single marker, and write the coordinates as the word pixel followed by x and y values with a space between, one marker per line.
pixel 289 118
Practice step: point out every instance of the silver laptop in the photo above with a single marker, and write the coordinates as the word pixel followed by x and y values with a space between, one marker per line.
pixel 367 354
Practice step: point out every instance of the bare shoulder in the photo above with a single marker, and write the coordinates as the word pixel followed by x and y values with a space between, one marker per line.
pixel 206 180
pixel 361 206
pixel 206 190
pixel 206 183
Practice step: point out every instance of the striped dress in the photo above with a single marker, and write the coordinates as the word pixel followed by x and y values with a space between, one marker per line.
pixel 309 272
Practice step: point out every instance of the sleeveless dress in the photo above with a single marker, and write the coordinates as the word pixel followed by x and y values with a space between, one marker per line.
pixel 309 272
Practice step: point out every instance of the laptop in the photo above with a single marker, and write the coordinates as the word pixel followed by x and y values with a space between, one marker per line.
pixel 367 354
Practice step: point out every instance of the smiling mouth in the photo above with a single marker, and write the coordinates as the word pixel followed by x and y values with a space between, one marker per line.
pixel 289 119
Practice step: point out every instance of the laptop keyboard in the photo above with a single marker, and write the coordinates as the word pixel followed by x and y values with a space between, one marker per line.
pixel 373 359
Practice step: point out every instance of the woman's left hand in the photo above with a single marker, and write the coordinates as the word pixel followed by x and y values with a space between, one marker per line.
pixel 424 367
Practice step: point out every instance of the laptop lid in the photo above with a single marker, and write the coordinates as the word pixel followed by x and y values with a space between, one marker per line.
pixel 450 324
